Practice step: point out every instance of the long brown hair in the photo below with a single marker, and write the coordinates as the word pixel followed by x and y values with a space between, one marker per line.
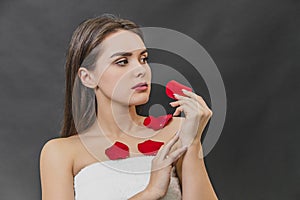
pixel 89 34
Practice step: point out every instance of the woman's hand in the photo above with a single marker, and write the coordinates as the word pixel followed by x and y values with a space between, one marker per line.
pixel 197 114
pixel 161 168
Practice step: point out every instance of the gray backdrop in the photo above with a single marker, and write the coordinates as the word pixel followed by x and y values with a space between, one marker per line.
pixel 255 44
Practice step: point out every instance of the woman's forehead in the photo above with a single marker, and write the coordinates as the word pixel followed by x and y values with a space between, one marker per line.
pixel 121 41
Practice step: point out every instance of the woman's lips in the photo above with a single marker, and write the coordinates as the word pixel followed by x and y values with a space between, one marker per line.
pixel 141 88
pixel 140 84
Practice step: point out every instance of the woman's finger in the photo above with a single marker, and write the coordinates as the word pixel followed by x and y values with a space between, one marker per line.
pixel 191 105
pixel 182 101
pixel 190 94
pixel 196 97
pixel 178 111
pixel 187 109
pixel 180 97
pixel 185 100
pixel 158 154
pixel 176 154
pixel 165 150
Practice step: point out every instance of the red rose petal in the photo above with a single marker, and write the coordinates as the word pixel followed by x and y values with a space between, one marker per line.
pixel 173 87
pixel 157 123
pixel 117 151
pixel 147 120
pixel 149 147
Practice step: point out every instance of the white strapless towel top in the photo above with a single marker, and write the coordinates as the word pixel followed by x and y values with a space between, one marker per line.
pixel 119 180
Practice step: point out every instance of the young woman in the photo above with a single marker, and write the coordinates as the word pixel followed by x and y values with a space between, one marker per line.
pixel 107 76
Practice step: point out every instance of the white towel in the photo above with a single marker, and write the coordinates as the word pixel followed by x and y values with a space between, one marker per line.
pixel 119 180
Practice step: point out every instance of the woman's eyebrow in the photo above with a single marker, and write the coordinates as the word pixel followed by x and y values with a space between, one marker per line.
pixel 126 53
pixel 121 54
pixel 145 51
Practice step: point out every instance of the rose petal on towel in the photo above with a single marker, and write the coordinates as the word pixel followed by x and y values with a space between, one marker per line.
pixel 117 151
pixel 149 147
pixel 157 123
pixel 173 87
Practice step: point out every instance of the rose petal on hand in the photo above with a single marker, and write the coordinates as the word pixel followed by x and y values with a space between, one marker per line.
pixel 173 87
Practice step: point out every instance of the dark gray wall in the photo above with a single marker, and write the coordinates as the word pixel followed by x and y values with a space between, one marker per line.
pixel 255 45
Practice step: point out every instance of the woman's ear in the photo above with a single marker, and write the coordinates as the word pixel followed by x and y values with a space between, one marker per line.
pixel 87 78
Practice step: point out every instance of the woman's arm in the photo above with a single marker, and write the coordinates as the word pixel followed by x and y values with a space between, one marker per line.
pixel 193 176
pixel 146 194
pixel 56 171
pixel 195 180
pixel 191 168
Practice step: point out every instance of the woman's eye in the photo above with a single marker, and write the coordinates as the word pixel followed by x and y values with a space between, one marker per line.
pixel 145 59
pixel 122 62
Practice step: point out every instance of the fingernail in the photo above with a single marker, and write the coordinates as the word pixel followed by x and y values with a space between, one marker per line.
pixel 177 133
pixel 184 90
pixel 176 95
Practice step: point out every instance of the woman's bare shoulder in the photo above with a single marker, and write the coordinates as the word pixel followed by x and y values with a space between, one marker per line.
pixel 56 161
pixel 57 150
pixel 57 144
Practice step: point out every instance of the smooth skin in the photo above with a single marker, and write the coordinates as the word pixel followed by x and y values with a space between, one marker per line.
pixel 60 158
pixel 190 167
pixel 161 168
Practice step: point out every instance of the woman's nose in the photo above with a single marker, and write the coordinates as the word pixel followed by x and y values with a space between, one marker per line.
pixel 140 70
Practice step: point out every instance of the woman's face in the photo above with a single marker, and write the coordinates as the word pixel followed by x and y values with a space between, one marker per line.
pixel 121 65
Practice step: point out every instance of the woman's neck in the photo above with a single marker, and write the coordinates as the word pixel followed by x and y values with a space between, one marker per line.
pixel 114 119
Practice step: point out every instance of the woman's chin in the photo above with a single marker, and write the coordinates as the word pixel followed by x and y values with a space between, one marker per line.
pixel 140 100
